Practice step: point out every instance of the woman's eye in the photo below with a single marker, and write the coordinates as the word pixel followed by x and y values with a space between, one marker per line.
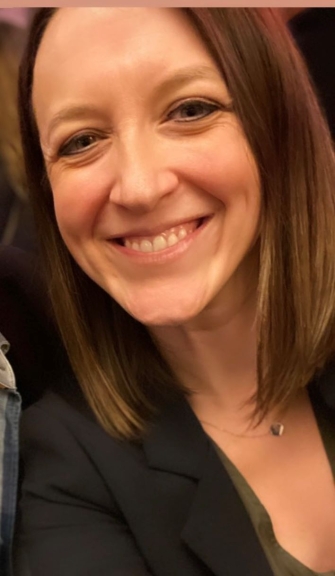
pixel 77 144
pixel 192 110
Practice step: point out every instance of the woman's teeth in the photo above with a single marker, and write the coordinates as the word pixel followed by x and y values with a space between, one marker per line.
pixel 161 241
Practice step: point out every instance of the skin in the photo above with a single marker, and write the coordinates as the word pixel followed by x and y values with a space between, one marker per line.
pixel 140 168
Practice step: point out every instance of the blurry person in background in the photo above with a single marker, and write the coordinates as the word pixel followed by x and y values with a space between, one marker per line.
pixel 24 314
pixel 29 347
pixel 16 226
pixel 10 402
pixel 30 357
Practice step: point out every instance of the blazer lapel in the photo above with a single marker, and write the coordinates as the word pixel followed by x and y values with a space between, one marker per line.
pixel 217 529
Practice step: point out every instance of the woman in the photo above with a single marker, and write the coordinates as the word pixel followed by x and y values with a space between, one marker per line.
pixel 183 182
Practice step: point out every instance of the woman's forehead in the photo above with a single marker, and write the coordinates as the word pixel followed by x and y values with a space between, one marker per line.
pixel 126 31
pixel 78 36
pixel 83 47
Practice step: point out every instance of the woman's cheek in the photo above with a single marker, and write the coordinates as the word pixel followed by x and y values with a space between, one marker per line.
pixel 79 195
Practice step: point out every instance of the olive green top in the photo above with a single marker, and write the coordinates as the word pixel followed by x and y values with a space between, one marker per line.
pixel 281 562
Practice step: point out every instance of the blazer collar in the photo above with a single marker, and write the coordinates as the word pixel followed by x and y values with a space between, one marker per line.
pixel 218 529
pixel 177 443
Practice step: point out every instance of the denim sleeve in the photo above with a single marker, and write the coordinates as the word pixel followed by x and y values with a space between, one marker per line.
pixel 10 406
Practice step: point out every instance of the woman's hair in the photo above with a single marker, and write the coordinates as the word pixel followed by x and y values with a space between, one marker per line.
pixel 118 366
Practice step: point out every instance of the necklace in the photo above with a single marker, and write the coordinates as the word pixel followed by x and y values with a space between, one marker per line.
pixel 276 429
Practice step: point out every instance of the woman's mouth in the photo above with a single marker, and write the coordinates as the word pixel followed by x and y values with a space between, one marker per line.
pixel 161 241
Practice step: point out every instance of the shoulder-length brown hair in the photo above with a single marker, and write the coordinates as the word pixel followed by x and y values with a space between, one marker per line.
pixel 117 364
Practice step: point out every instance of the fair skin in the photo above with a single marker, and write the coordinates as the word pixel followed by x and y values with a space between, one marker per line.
pixel 157 197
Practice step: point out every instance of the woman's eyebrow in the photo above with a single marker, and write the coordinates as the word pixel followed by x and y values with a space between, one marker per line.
pixel 72 112
pixel 187 74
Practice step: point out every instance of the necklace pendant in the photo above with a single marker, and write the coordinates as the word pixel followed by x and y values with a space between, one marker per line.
pixel 277 429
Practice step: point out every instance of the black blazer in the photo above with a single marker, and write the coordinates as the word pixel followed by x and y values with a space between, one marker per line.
pixel 95 506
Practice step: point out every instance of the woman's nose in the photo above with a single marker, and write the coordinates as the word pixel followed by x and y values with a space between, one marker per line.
pixel 145 176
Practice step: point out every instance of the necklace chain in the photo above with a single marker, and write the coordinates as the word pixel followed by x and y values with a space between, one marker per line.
pixel 276 429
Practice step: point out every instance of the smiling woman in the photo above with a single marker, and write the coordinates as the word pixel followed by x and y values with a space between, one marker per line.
pixel 183 186
pixel 149 161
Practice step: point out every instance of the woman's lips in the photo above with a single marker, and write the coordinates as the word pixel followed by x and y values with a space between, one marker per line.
pixel 171 241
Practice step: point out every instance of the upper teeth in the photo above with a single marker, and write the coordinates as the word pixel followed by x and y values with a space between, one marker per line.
pixel 160 242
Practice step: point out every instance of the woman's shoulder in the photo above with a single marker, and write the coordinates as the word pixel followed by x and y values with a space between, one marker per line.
pixel 69 459
pixel 62 422
pixel 62 406
pixel 63 401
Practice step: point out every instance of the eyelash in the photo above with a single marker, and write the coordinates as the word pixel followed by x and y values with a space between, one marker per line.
pixel 64 149
pixel 211 108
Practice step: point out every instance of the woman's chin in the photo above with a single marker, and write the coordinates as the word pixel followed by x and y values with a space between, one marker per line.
pixel 162 315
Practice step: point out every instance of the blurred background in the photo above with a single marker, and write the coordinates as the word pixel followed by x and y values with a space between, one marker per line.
pixel 16 226
pixel 312 28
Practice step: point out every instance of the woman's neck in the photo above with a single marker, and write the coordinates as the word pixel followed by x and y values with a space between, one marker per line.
pixel 214 356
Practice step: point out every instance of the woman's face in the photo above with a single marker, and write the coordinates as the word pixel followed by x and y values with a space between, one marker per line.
pixel 155 190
